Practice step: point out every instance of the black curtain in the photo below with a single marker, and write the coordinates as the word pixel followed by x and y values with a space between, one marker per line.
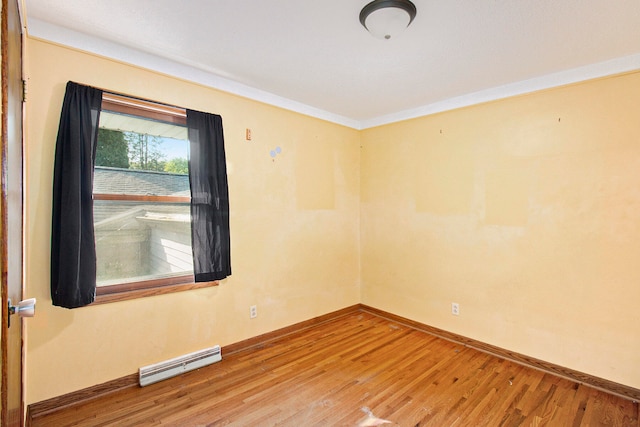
pixel 73 253
pixel 210 238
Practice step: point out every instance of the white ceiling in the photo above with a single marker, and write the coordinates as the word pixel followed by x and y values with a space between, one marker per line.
pixel 316 58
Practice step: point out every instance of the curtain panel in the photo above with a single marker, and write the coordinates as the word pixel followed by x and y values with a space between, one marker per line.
pixel 210 237
pixel 73 253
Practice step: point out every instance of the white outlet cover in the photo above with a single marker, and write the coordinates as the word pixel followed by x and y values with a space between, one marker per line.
pixel 455 308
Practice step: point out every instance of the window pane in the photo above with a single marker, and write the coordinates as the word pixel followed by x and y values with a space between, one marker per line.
pixel 138 241
pixel 141 240
pixel 130 142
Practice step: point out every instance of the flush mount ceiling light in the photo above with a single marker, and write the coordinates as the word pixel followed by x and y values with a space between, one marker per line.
pixel 385 19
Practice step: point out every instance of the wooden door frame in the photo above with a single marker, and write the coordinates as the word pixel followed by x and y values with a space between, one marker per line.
pixel 3 227
pixel 7 418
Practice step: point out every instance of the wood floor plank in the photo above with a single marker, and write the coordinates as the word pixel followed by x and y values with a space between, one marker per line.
pixel 327 374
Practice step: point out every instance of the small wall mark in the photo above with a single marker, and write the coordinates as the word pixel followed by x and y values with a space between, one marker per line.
pixel 273 153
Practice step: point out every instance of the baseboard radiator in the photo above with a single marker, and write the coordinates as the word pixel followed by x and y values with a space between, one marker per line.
pixel 179 365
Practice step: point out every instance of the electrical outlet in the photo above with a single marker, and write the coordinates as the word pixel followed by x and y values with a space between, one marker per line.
pixel 253 311
pixel 455 308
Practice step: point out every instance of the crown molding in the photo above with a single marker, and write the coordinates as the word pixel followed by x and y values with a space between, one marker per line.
pixel 43 30
pixel 575 75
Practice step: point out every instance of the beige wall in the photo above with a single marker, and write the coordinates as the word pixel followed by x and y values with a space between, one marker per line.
pixel 294 231
pixel 524 211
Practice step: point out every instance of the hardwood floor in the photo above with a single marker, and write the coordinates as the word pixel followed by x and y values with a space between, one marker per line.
pixel 325 375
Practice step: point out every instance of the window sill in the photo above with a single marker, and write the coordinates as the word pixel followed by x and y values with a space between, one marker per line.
pixel 142 293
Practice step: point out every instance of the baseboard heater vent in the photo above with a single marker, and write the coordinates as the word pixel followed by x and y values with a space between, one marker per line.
pixel 172 367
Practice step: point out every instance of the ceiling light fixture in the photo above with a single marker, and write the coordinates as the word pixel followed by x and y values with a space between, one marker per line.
pixel 385 19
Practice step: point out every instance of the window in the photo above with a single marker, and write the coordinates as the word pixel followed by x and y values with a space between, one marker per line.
pixel 146 218
pixel 141 197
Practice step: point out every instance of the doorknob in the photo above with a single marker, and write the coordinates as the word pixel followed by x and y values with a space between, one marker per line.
pixel 26 308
